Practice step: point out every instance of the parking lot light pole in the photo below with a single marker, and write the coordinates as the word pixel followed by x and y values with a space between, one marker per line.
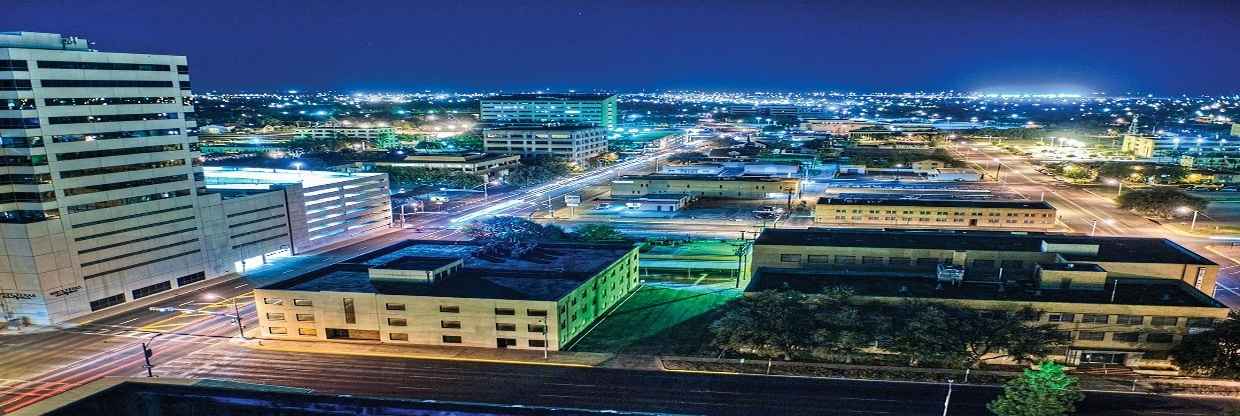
pixel 947 402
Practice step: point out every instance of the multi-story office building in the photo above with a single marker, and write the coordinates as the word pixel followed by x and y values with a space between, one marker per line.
pixel 98 160
pixel 453 293
pixel 355 131
pixel 939 214
pixel 576 144
pixel 1169 146
pixel 323 208
pixel 1122 300
pixel 548 109
pixel 706 186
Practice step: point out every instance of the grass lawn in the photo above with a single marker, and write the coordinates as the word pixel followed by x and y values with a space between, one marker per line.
pixel 661 319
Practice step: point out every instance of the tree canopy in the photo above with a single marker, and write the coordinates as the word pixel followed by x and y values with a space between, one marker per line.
pixel 1213 353
pixel 413 177
pixel 1046 391
pixel 536 170
pixel 1161 202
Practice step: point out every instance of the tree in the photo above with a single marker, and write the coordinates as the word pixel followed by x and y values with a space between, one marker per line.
pixel 1161 202
pixel 772 323
pixel 466 142
pixel 841 328
pixel 952 335
pixel 1046 391
pixel 387 141
pixel 925 332
pixel 1213 353
pixel 511 231
pixel 413 177
pixel 597 233
pixel 609 158
pixel 536 170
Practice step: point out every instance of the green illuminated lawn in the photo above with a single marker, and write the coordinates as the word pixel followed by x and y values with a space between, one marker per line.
pixel 661 319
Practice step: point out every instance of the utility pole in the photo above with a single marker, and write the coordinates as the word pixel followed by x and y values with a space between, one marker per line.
pixel 947 402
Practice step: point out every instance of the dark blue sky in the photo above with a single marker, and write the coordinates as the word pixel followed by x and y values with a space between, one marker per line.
pixel 1165 47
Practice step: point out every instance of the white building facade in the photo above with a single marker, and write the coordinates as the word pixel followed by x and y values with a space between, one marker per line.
pixel 576 144
pixel 98 160
pixel 541 109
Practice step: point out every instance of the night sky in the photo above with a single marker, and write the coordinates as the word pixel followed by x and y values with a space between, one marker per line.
pixel 1161 47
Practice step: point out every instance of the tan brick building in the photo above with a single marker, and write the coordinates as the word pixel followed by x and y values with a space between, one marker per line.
pixel 706 186
pixel 938 214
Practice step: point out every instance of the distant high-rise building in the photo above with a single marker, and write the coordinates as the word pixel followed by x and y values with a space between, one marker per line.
pixel 576 144
pixel 544 109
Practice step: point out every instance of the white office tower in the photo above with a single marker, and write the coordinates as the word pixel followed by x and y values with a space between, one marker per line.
pixel 98 177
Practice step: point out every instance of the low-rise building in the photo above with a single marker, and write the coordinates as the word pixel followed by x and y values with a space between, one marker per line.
pixel 355 131
pixel 954 175
pixel 1122 300
pixel 938 214
pixel 323 208
pixel 706 186
pixel 576 144
pixel 489 163
pixel 453 293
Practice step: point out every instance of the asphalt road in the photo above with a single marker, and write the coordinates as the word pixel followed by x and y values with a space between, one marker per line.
pixel 618 389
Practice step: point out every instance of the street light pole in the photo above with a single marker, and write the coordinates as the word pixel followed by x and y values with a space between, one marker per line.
pixel 1093 226
pixel 1194 224
pixel 544 334
pixel 237 314
pixel 947 402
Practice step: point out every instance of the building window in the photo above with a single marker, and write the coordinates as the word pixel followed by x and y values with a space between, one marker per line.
pixel 1060 317
pixel 449 309
pixel 275 316
pixel 899 261
pixel 394 306
pixel 450 324
pixel 310 332
pixel 1094 318
pixel 152 289
pixel 535 312
pixel 275 330
pixel 816 258
pixel 397 322
pixel 871 260
pixel 505 311
pixel 1164 320
pixel 350 316
pixel 1159 338
pixel 306 302
pixel 1129 319
pixel 845 259
pixel 1091 335
pixel 1200 322
pixel 538 328
pixel 790 258
pixel 505 326
pixel 451 339
pixel 537 343
pixel 305 317
pixel 1156 355
pixel 398 336
pixel 273 301
pixel 1126 336
pixel 109 301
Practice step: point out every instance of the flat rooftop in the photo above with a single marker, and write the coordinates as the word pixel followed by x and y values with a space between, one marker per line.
pixel 702 177
pixel 241 177
pixel 1134 291
pixel 547 273
pixel 937 203
pixel 1120 249
pixel 568 127
pixel 550 97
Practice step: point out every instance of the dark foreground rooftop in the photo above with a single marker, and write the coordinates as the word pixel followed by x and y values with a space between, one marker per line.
pixel 1118 249
pixel 548 272
pixel 1126 291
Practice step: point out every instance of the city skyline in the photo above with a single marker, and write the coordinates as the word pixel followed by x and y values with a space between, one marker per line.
pixel 1110 47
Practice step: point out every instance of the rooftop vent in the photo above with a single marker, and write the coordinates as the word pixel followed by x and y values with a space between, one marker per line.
pixel 417 269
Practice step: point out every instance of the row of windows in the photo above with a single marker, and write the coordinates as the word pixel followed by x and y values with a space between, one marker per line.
pixel 124 185
pixel 109 301
pixel 25 179
pixel 1090 318
pixel 136 240
pixel 16 142
pixel 296 302
pixel 13 65
pixel 301 317
pixel 15 85
pixel 274 227
pixel 152 289
pixel 274 237
pixel 19 123
pixel 1153 338
pixel 112 118
pixel 28 216
pixel 126 217
pixel 105 83
pixel 45 196
pixel 74 209
pixel 241 224
pixel 54 102
pixel 124 134
pixel 17 104
pixel 32 160
pixel 121 168
pixel 90 154
pixel 145 263
pixel 193 278
pixel 102 66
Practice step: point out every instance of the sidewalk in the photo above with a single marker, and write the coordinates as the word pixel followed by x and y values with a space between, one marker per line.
pixel 430 352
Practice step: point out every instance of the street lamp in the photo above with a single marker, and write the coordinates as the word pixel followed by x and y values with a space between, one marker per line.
pixel 297 165
pixel 236 311
pixel 947 402
pixel 1115 182
pixel 543 321
pixel 1185 210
